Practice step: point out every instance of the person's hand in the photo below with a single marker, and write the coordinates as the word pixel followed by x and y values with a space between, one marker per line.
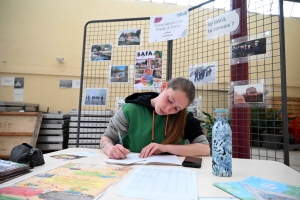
pixel 118 152
pixel 152 149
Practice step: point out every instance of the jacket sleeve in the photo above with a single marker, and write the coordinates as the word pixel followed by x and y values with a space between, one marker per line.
pixel 117 123
pixel 193 130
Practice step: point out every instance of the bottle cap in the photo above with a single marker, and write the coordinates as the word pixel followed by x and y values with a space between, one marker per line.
pixel 221 110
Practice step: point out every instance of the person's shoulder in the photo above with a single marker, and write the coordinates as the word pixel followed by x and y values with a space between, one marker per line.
pixel 132 109
pixel 130 106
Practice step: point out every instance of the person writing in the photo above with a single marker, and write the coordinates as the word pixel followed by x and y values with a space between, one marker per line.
pixel 152 123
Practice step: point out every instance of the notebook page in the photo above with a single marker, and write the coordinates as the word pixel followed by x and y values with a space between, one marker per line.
pixel 161 183
pixel 130 159
pixel 163 159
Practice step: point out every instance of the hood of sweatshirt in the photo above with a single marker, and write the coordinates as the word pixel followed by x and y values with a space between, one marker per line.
pixel 143 98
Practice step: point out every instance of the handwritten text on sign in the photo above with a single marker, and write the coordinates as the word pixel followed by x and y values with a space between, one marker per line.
pixel 222 24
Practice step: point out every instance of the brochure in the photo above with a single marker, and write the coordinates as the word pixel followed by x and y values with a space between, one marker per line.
pixel 255 188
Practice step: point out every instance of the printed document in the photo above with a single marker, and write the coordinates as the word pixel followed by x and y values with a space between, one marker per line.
pixel 161 183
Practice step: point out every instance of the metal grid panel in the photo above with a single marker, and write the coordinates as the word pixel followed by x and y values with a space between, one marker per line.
pixel 96 74
pixel 196 50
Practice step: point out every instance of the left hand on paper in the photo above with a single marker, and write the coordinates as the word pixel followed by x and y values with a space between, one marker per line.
pixel 152 149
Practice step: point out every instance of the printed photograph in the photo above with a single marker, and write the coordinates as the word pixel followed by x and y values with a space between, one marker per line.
pixel 157 74
pixel 248 48
pixel 118 74
pixel 129 37
pixel 65 83
pixel 95 96
pixel 155 63
pixel 201 74
pixel 101 52
pixel 141 64
pixel 252 93
pixel 139 73
pixel 19 83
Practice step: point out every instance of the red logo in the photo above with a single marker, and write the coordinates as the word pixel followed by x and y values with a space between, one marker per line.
pixel 157 19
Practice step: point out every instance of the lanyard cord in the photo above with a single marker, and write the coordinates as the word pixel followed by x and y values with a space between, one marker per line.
pixel 166 127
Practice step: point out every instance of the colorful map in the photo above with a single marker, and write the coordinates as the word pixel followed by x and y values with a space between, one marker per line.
pixel 69 181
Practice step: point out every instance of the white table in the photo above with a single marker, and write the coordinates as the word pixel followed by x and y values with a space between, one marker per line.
pixel 242 168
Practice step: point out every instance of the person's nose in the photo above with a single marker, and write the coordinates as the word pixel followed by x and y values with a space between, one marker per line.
pixel 169 109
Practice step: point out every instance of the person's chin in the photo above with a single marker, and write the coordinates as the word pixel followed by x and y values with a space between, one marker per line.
pixel 161 112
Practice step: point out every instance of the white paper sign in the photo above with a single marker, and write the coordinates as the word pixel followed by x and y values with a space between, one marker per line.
pixel 75 83
pixel 224 23
pixel 18 94
pixel 7 81
pixel 169 27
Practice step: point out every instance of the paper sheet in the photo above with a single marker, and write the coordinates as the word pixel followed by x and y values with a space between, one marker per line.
pixel 163 159
pixel 161 183
pixel 130 159
pixel 133 158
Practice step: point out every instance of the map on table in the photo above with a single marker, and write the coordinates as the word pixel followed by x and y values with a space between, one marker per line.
pixel 69 181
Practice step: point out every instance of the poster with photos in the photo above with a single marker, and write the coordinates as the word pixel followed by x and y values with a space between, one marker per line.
pixel 129 37
pixel 101 52
pixel 148 70
pixel 193 108
pixel 95 97
pixel 203 73
pixel 118 74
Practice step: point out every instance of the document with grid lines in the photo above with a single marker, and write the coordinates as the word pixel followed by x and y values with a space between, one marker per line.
pixel 161 183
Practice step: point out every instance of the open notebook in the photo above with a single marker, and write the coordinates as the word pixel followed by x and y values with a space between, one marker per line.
pixel 133 158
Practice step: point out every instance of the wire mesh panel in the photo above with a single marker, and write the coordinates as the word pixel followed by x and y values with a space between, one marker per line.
pixel 111 71
pixel 231 53
pixel 238 70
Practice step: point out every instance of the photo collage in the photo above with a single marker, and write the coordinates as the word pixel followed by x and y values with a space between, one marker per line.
pixel 148 70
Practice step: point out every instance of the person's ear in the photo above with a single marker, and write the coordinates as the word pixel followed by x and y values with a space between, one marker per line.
pixel 164 86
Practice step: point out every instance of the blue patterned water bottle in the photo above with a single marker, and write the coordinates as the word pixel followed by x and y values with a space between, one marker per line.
pixel 221 144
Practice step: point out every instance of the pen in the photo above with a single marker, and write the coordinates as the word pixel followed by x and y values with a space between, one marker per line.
pixel 120 138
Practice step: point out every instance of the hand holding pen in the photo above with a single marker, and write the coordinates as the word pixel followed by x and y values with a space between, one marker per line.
pixel 118 151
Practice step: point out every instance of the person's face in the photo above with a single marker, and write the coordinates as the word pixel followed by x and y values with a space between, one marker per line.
pixel 170 101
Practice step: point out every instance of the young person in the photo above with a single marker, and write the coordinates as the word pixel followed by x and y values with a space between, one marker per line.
pixel 152 123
